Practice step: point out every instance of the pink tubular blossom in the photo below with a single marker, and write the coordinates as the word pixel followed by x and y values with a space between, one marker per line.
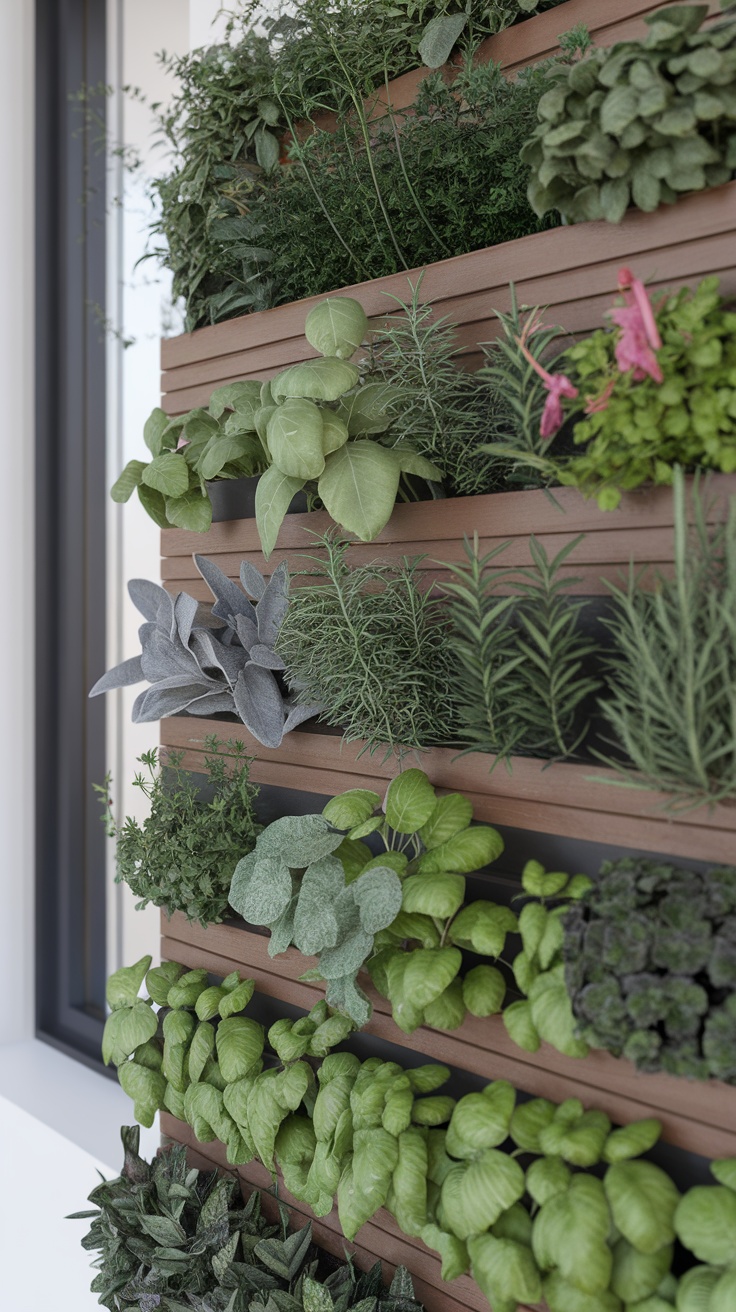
pixel 557 385
pixel 639 337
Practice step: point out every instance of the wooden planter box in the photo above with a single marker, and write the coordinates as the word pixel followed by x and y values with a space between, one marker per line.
pixel 698 1116
pixel 571 269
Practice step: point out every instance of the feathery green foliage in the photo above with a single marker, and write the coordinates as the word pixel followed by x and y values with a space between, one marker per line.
pixel 522 677
pixel 443 411
pixel 671 688
pixel 182 856
pixel 374 650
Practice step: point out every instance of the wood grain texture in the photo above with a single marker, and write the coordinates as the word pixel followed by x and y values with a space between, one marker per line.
pixel 570 269
pixel 573 801
pixel 379 1239
pixel 698 1116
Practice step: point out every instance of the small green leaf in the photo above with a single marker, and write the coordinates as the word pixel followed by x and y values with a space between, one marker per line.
pixel 167 473
pixel 439 37
pixel 336 326
pixel 274 494
pixel 319 380
pixel 123 488
pixel 470 850
pixel 154 429
pixel 410 801
pixel 123 986
pixel 193 511
pixel 351 808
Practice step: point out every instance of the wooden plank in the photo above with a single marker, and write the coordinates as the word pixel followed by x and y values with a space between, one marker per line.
pixel 698 1116
pixel 379 1239
pixel 495 517
pixel 572 269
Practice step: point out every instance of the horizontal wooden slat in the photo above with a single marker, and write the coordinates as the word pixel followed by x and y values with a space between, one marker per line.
pixel 573 801
pixel 570 269
pixel 697 1116
pixel 379 1239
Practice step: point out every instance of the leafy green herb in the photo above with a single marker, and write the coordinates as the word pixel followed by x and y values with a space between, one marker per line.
pixel 370 1135
pixel 181 857
pixel 165 1232
pixel 374 649
pixel 522 655
pixel 670 691
pixel 639 123
pixel 650 967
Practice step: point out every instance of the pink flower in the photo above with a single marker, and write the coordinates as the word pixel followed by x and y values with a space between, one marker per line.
pixel 639 338
pixel 183 441
pixel 557 385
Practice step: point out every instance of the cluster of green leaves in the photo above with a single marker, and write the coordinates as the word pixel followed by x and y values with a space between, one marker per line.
pixel 318 427
pixel 544 1012
pixel 646 428
pixel 443 411
pixel 374 1135
pixel 181 857
pixel 669 692
pixel 650 967
pixel 191 450
pixel 705 1222
pixel 183 1240
pixel 201 1059
pixel 220 130
pixel 639 123
pixel 374 650
pixel 367 199
pixel 522 654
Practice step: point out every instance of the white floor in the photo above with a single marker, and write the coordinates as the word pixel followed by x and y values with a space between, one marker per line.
pixel 59 1125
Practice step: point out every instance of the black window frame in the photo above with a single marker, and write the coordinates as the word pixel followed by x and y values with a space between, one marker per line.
pixel 70 173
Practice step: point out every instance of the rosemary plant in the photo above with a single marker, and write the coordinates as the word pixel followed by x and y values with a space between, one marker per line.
pixel 672 692
pixel 374 650
pixel 523 656
pixel 183 855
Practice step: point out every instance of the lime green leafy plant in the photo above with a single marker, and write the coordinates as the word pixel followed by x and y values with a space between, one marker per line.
pixel 640 123
pixel 705 1222
pixel 350 907
pixel 501 1189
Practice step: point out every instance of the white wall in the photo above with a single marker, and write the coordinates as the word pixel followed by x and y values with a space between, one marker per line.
pixel 16 519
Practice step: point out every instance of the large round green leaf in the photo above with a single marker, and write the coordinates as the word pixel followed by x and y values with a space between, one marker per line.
pixel 269 891
pixel 705 1222
pixel 471 849
pixel 359 486
pixel 123 985
pixel 351 808
pixel 239 1046
pixel 570 1233
pixel 167 473
pixel 370 408
pixel 410 801
pixel 638 1275
pixel 451 814
pixel 484 989
pixel 145 1087
pixel 482 927
pixel 632 1140
pixel 505 1270
pixel 159 980
pixel 321 380
pixel 546 1177
pixel 448 1011
pixel 696 1288
pixel 192 511
pixel 125 1030
pixel 561 1295
pixel 294 436
pixel 434 895
pixel 643 1202
pixel 551 1012
pixel 201 1049
pixel 529 1121
pixel 428 973
pixel 520 1027
pixel 336 326
pixel 481 1120
pixel 475 1194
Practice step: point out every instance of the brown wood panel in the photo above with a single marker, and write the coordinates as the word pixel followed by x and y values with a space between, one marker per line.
pixel 379 1239
pixel 571 269
pixel 697 1116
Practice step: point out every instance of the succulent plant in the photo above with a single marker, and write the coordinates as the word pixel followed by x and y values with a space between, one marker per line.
pixel 171 1238
pixel 650 966
pixel 640 123
pixel 206 661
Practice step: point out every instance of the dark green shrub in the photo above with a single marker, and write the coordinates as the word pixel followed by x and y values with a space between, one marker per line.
pixel 650 965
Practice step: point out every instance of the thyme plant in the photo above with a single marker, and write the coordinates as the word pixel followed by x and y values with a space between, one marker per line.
pixel 181 857
pixel 373 649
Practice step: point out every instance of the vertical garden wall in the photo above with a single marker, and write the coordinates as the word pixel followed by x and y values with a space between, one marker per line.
pixel 528 887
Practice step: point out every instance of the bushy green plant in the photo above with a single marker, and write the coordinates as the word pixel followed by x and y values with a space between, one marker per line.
pixel 165 1232
pixel 375 649
pixel 647 427
pixel 373 1135
pixel 640 123
pixel 181 856
pixel 670 689
pixel 650 967
pixel 398 911
pixel 705 1222
pixel 521 654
